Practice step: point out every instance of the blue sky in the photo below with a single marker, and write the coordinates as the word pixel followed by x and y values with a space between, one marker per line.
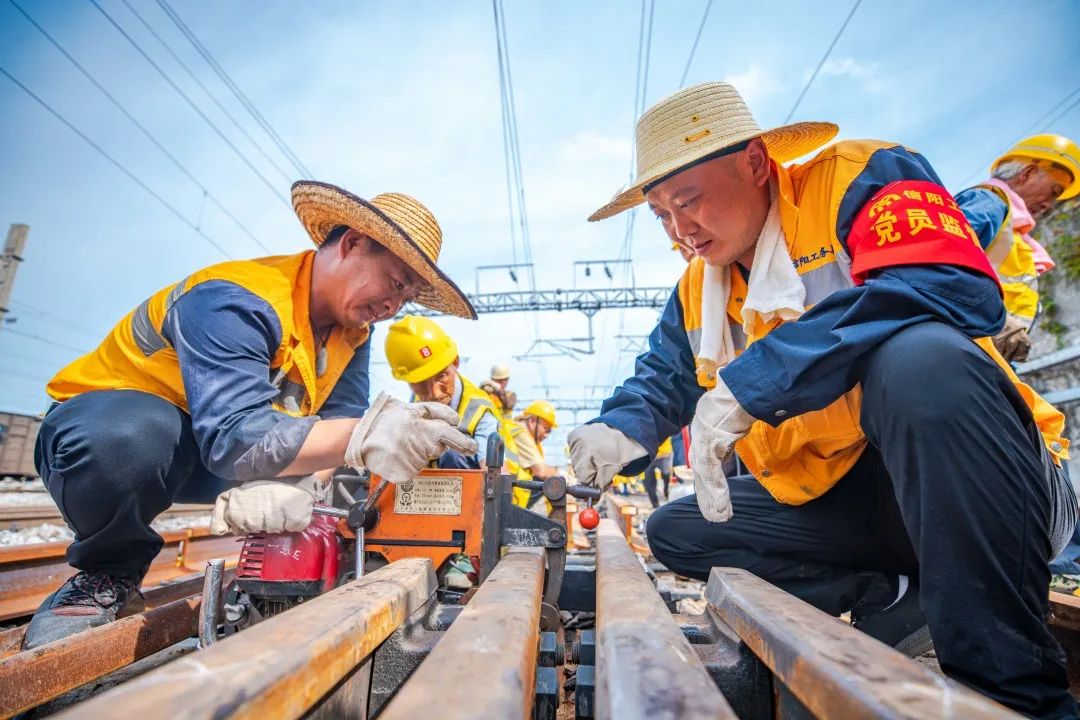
pixel 404 96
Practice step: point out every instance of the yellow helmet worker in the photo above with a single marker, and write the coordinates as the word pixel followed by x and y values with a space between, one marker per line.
pixel 1026 182
pixel 530 429
pixel 421 354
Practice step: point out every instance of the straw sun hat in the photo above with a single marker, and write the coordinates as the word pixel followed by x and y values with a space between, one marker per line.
pixel 692 124
pixel 396 221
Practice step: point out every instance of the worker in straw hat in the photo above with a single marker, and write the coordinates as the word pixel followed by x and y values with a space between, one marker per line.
pixel 834 331
pixel 1026 182
pixel 241 381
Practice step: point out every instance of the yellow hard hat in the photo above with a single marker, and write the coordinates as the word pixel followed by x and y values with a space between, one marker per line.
pixel 543 410
pixel 418 349
pixel 1057 149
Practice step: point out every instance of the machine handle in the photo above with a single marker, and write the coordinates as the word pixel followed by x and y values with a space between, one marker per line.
pixel 583 492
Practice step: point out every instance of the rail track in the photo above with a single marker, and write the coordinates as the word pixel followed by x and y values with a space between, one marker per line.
pixel 28 573
pixel 22 516
pixel 385 646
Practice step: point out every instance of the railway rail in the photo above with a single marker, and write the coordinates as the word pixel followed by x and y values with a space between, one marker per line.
pixel 28 573
pixel 22 516
pixel 386 646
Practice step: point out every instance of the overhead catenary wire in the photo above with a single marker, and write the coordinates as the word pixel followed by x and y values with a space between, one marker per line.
pixel 142 128
pixel 235 89
pixel 202 86
pixel 1041 123
pixel 697 39
pixel 824 58
pixel 51 317
pixel 191 103
pixel 116 163
pixel 47 341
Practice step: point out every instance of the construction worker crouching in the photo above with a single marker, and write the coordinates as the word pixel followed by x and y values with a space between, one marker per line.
pixel 835 332
pixel 248 377
pixel 421 354
pixel 530 429
pixel 1026 182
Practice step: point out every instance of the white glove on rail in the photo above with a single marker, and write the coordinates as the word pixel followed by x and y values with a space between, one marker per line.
pixel 267 506
pixel 719 422
pixel 396 440
pixel 598 452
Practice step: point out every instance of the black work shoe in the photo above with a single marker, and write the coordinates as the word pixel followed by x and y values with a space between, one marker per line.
pixel 901 625
pixel 86 600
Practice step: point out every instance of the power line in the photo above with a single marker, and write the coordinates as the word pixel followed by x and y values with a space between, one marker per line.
pixel 1036 124
pixel 190 102
pixel 225 78
pixel 823 59
pixel 116 103
pixel 116 163
pixel 32 336
pixel 56 319
pixel 206 90
pixel 693 48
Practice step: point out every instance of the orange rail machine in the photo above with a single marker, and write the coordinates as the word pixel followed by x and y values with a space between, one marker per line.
pixel 437 515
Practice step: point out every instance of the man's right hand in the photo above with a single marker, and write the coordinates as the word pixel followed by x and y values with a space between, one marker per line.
pixel 396 440
pixel 1013 342
pixel 598 452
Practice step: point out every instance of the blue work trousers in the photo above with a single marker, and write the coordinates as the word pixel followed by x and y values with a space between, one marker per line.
pixel 955 490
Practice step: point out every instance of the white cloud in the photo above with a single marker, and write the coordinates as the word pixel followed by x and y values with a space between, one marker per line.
pixel 756 84
pixel 868 74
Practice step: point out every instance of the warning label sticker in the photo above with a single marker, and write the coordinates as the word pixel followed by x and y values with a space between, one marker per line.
pixel 429 495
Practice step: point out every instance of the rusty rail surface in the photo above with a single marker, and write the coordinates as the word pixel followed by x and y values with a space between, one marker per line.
pixel 35 676
pixel 185 586
pixel 485 666
pixel 283 666
pixel 828 666
pixel 28 573
pixel 645 666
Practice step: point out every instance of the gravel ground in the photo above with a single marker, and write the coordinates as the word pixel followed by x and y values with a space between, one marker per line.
pixel 23 499
pixel 56 533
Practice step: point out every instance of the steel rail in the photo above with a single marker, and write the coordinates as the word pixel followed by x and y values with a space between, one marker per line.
pixel 485 665
pixel 28 573
pixel 281 667
pixel 12 516
pixel 645 666
pixel 828 666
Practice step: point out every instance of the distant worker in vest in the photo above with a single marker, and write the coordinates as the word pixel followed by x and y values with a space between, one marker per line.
pixel 660 471
pixel 1025 184
pixel 835 332
pixel 245 381
pixel 531 428
pixel 500 375
pixel 421 354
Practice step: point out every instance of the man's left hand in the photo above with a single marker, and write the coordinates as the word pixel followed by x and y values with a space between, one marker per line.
pixel 719 422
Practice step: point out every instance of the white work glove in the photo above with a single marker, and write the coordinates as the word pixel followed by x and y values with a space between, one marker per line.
pixel 719 423
pixel 267 506
pixel 396 440
pixel 598 452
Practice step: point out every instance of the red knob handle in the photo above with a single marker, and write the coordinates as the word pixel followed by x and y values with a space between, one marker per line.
pixel 589 518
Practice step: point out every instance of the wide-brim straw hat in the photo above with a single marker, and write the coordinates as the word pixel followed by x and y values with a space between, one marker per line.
pixel 696 122
pixel 394 220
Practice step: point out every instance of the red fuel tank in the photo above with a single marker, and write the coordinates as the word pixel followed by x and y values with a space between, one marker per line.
pixel 317 553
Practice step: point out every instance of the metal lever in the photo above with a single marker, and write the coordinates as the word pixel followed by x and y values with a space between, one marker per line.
pixel 211 602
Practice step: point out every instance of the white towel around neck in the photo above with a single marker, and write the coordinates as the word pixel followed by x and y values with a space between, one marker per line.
pixel 773 291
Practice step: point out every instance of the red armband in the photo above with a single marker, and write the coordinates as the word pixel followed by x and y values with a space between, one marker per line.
pixel 913 222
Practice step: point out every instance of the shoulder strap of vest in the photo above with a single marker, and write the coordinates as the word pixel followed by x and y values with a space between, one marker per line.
pixel 1003 240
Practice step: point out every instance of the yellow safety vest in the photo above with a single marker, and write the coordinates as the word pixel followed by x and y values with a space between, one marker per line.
pixel 136 356
pixel 471 408
pixel 803 457
pixel 1014 262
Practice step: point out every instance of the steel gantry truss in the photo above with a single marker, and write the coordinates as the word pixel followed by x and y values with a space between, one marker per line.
pixel 589 300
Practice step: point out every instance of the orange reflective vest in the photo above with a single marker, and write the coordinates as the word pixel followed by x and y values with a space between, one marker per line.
pixel 803 457
pixel 136 356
